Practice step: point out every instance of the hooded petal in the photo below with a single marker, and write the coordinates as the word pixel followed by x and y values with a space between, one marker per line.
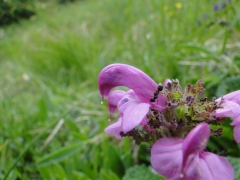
pixel 195 141
pixel 129 76
pixel 166 157
pixel 200 165
pixel 115 129
pixel 113 99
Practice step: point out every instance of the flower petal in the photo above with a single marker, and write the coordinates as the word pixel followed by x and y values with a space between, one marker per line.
pixel 203 166
pixel 195 141
pixel 224 168
pixel 236 133
pixel 230 109
pixel 113 99
pixel 133 115
pixel 166 82
pixel 233 96
pixel 115 129
pixel 166 157
pixel 129 76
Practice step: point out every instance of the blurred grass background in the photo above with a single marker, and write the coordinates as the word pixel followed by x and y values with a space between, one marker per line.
pixel 52 121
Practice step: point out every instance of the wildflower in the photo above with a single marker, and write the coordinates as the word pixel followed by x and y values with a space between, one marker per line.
pixel 230 108
pixel 134 104
pixel 177 158
pixel 131 110
pixel 178 5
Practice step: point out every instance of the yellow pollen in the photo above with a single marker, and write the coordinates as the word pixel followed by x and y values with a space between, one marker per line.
pixel 181 175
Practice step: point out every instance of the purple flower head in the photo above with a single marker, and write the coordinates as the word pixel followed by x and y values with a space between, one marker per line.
pixel 231 108
pixel 215 7
pixel 186 159
pixel 133 105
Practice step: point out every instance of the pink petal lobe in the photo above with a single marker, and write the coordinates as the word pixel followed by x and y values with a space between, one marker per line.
pixel 233 96
pixel 195 141
pixel 217 167
pixel 113 99
pixel 236 133
pixel 129 76
pixel 133 115
pixel 115 129
pixel 208 166
pixel 166 157
pixel 230 109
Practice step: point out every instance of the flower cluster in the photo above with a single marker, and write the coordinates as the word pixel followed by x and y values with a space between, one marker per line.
pixel 174 121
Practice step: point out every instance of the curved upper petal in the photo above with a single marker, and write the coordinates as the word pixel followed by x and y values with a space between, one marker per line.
pixel 166 157
pixel 233 96
pixel 115 129
pixel 195 141
pixel 129 76
pixel 113 99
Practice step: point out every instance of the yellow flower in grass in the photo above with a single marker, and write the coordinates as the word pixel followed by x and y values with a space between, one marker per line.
pixel 178 5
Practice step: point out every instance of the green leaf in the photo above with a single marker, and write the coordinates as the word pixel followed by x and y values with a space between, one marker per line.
pixel 53 171
pixel 60 154
pixel 141 172
pixel 108 175
pixel 79 175
pixel 236 166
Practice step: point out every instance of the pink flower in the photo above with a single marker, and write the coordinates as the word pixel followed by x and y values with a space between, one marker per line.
pixel 131 110
pixel 231 108
pixel 133 105
pixel 186 159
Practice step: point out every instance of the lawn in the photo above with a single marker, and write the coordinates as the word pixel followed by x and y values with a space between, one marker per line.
pixel 52 121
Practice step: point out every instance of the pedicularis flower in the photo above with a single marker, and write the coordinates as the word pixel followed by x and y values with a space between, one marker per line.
pixel 174 121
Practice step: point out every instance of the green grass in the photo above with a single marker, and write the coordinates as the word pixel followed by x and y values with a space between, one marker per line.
pixel 49 65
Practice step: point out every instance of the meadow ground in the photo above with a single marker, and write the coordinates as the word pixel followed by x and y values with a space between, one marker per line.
pixel 52 121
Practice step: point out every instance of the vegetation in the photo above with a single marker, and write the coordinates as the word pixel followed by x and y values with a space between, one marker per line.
pixel 52 122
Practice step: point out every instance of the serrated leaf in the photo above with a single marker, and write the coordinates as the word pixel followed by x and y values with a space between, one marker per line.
pixel 141 172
